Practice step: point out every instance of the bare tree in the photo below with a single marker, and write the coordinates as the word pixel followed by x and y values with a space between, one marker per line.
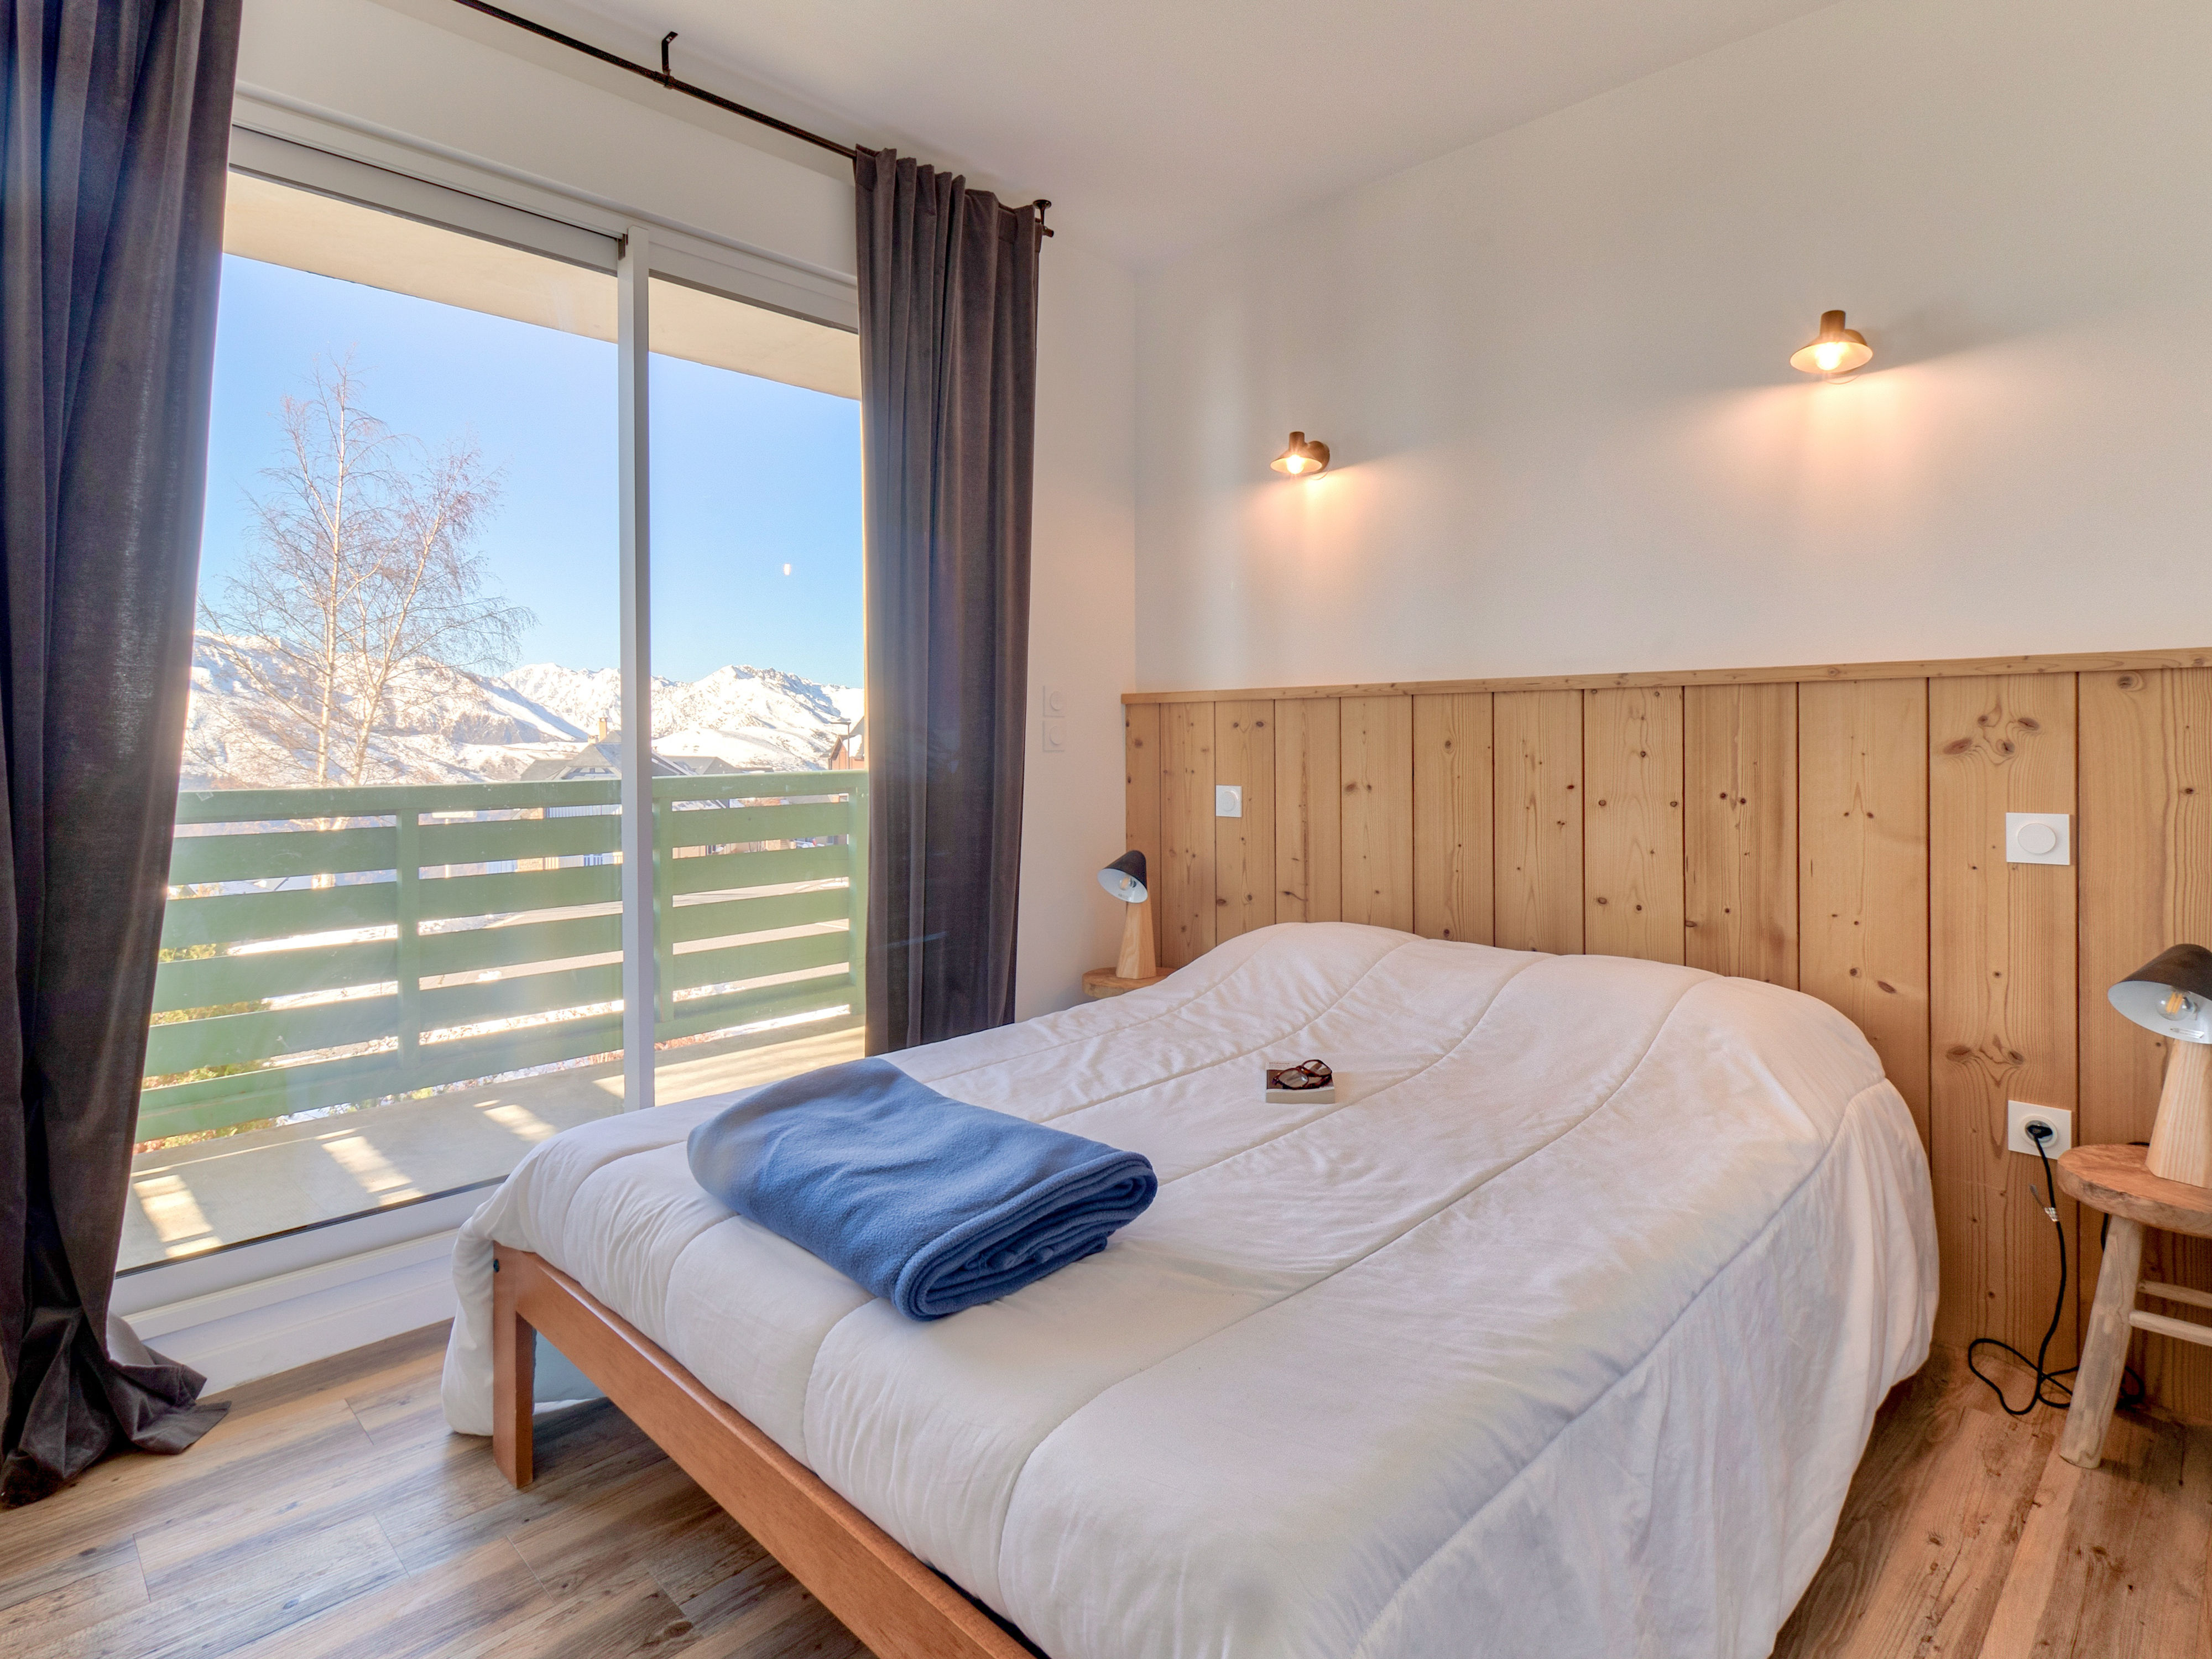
pixel 365 597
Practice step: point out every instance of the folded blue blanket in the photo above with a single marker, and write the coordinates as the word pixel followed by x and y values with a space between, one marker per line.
pixel 931 1203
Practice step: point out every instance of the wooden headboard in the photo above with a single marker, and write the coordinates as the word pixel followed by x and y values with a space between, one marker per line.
pixel 1838 829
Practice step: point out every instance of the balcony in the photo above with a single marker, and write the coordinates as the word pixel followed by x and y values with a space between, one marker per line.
pixel 370 994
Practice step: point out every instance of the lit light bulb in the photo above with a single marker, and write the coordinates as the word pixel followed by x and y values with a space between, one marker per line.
pixel 1834 349
pixel 1301 457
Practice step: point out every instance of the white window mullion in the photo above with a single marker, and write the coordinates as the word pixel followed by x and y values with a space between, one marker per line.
pixel 641 977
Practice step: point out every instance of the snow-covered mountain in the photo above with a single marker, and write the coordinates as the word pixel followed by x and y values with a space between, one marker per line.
pixel 749 717
pixel 251 721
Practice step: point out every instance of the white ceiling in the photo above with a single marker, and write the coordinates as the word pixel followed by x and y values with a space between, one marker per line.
pixel 1155 125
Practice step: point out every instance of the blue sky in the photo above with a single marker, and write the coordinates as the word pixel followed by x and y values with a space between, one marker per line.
pixel 749 475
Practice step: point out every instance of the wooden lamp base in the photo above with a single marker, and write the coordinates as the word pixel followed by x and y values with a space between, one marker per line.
pixel 1139 962
pixel 2181 1141
pixel 1139 955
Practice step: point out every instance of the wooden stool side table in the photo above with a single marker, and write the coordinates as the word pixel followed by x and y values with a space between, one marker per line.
pixel 2112 1179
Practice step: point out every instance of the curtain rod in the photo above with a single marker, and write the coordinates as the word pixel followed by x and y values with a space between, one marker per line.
pixel 663 77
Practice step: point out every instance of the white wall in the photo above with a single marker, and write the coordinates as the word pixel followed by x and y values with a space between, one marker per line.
pixel 1553 369
pixel 458 90
pixel 1083 630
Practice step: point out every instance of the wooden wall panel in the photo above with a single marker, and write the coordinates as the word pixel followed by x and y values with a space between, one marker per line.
pixel 2002 1007
pixel 1539 856
pixel 1376 734
pixel 1140 754
pixel 1863 866
pixel 1308 811
pixel 1740 777
pixel 1632 823
pixel 1845 834
pixel 1244 848
pixel 1919 668
pixel 2143 840
pixel 1452 824
pixel 1186 893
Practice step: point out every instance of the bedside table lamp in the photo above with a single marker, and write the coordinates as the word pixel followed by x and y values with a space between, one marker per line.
pixel 2171 995
pixel 1125 879
pixel 2168 1186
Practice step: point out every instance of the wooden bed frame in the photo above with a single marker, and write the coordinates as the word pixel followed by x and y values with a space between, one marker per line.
pixel 884 1595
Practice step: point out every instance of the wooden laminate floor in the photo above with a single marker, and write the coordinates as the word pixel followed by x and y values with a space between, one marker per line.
pixel 332 1513
pixel 1966 1534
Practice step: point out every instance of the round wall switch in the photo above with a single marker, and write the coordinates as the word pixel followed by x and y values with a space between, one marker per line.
pixel 2038 838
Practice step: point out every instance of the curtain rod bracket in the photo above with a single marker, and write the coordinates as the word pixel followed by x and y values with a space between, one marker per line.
pixel 662 76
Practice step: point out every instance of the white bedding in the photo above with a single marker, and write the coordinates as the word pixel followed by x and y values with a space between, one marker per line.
pixel 1559 1332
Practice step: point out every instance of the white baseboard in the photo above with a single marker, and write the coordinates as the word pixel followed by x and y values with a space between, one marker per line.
pixel 255 1330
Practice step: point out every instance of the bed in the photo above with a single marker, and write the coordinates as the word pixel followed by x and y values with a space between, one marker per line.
pixel 1565 1323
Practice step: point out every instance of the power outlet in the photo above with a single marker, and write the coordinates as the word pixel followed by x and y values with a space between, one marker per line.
pixel 2019 1113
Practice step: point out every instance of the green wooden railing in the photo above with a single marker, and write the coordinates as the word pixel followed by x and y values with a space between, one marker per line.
pixel 458 931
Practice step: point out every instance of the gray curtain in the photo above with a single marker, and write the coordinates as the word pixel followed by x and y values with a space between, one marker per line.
pixel 112 138
pixel 948 401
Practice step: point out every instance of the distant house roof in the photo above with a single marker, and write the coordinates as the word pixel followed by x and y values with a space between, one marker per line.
pixel 851 754
pixel 603 759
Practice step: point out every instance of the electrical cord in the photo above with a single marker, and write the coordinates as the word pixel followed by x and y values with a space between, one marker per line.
pixel 2045 1377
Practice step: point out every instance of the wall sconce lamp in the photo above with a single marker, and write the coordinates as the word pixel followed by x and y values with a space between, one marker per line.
pixel 1309 455
pixel 1834 350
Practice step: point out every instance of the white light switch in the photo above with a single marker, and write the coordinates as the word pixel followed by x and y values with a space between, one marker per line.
pixel 1054 701
pixel 1056 737
pixel 2038 838
pixel 1228 800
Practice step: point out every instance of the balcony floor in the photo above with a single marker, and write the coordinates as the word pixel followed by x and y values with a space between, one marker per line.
pixel 188 1199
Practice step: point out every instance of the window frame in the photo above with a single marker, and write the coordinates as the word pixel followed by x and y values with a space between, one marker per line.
pixel 305 150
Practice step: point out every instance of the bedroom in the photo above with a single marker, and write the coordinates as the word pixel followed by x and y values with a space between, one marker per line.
pixel 1657 779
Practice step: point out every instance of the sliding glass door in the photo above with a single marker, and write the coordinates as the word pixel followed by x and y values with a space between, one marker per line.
pixel 393 956
pixel 759 789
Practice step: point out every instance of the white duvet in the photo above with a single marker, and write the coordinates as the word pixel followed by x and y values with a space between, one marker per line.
pixel 1559 1332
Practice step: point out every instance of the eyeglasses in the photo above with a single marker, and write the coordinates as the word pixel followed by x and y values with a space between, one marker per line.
pixel 1310 1074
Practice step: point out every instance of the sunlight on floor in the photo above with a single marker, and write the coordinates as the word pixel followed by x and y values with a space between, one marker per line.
pixel 174 1214
pixel 371 1170
pixel 520 1121
pixel 203 1195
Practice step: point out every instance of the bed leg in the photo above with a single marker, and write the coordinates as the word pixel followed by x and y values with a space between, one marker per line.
pixel 514 1382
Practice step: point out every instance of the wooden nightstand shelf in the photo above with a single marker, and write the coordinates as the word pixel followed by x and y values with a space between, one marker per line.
pixel 2112 1179
pixel 1106 982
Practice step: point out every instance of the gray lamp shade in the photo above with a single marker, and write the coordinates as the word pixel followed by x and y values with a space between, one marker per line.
pixel 1125 878
pixel 2171 993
